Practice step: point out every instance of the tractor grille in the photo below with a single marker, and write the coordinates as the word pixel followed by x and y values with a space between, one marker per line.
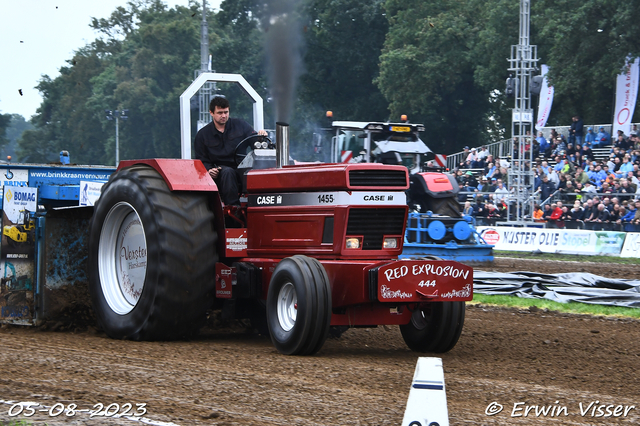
pixel 387 178
pixel 374 224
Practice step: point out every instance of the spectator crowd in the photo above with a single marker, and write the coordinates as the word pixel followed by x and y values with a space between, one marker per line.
pixel 573 188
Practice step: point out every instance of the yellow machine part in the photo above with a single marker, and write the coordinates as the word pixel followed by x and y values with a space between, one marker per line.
pixel 14 233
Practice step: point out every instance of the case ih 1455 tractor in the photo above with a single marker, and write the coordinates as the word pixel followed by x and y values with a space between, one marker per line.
pixel 312 248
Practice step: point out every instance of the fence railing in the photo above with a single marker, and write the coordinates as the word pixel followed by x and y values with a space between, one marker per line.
pixel 566 224
pixel 503 147
pixel 497 149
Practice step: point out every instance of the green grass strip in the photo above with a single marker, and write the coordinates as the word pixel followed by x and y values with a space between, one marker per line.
pixel 570 307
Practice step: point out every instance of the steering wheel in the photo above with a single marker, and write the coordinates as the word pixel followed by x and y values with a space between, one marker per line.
pixel 241 149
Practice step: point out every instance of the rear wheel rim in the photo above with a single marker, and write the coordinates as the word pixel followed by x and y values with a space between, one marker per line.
pixel 122 258
pixel 419 320
pixel 287 306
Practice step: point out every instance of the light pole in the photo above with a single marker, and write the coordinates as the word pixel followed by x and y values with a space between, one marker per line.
pixel 117 114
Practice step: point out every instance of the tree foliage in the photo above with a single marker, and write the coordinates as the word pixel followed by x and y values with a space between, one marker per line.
pixel 440 65
pixel 5 119
pixel 446 60
pixel 441 62
pixel 343 41
pixel 586 44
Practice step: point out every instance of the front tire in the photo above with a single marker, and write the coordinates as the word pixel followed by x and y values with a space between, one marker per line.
pixel 152 258
pixel 435 327
pixel 299 306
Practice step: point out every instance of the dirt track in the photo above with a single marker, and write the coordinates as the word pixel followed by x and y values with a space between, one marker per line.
pixel 237 378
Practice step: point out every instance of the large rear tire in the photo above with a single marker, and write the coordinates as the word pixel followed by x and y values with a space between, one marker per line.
pixel 299 306
pixel 435 327
pixel 152 258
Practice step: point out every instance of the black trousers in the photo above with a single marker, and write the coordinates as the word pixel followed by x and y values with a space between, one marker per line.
pixel 229 181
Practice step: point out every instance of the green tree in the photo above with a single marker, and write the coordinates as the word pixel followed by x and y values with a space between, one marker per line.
pixel 585 45
pixel 344 39
pixel 143 62
pixel 17 126
pixel 427 70
pixel 444 61
pixel 5 119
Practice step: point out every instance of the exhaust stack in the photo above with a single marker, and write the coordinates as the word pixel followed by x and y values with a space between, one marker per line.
pixel 282 144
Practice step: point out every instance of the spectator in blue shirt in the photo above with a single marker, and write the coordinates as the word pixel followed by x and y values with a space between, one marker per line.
pixel 627 165
pixel 602 175
pixel 628 217
pixel 602 138
pixel 543 142
pixel 559 164
pixel 590 137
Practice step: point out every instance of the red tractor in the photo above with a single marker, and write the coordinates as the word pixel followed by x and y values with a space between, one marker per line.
pixel 314 248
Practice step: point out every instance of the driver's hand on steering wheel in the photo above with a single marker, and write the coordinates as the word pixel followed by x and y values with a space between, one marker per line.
pixel 262 133
pixel 214 172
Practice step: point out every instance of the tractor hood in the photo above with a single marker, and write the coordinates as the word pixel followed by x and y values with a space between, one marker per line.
pixel 318 177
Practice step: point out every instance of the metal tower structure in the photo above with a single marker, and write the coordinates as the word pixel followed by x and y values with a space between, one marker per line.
pixel 208 89
pixel 523 61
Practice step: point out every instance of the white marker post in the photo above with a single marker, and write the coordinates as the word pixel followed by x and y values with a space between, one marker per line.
pixel 427 403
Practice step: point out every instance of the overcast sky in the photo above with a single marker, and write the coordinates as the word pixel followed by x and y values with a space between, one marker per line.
pixel 38 36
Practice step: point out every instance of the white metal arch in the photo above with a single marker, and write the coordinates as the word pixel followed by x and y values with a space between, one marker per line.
pixel 185 104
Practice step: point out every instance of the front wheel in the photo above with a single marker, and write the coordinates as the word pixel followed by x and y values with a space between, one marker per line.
pixel 435 327
pixel 299 306
pixel 152 258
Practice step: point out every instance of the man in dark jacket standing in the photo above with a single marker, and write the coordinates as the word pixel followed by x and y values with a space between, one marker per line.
pixel 215 145
pixel 546 188
pixel 576 131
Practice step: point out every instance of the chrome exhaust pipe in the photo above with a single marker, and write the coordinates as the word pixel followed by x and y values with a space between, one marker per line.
pixel 282 144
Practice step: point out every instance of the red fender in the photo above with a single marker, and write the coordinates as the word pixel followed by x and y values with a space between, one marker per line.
pixel 180 175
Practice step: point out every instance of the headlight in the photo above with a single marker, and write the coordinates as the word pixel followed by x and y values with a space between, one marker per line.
pixel 353 243
pixel 390 243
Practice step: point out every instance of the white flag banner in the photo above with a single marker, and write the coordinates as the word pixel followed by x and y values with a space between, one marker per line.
pixel 626 95
pixel 546 100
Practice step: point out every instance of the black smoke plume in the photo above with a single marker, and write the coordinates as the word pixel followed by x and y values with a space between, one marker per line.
pixel 283 48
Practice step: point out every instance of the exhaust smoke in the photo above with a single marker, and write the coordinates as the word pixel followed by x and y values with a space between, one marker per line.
pixel 283 45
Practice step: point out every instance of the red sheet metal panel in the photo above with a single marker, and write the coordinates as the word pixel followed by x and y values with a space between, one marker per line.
pixel 225 277
pixel 309 177
pixel 236 242
pixel 180 175
pixel 425 280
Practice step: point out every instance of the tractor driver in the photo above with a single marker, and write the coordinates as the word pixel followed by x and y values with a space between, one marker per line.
pixel 215 144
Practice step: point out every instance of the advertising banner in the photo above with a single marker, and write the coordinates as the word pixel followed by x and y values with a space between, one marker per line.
pixel 546 100
pixel 626 95
pixel 569 241
pixel 89 192
pixel 631 247
pixel 13 177
pixel 17 254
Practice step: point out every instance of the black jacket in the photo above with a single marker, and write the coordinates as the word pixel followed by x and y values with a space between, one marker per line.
pixel 216 149
pixel 546 189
